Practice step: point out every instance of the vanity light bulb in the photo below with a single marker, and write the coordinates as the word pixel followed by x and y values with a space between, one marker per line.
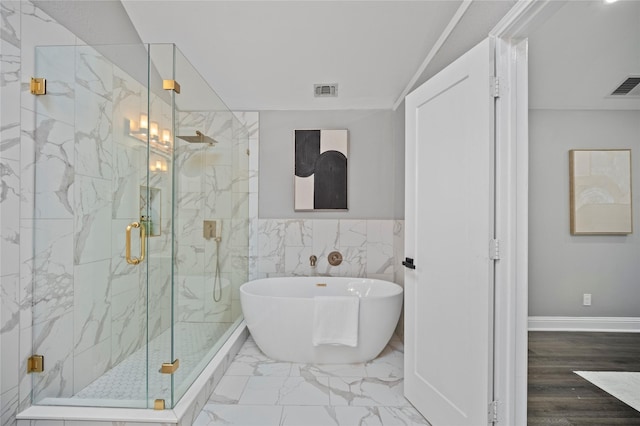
pixel 166 136
pixel 153 130
pixel 164 167
pixel 158 165
pixel 144 121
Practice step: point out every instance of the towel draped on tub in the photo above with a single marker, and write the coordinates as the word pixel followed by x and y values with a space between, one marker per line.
pixel 335 320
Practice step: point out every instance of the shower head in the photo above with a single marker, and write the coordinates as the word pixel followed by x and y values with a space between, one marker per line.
pixel 198 138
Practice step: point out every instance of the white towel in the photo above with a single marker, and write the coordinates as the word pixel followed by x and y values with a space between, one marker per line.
pixel 335 320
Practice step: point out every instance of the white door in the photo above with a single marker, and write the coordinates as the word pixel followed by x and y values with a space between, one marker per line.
pixel 449 230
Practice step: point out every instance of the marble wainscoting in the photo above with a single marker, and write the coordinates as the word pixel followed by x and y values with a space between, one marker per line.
pixel 257 390
pixel 370 248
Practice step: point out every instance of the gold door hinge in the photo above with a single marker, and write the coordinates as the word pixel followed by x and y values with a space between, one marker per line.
pixel 170 367
pixel 38 86
pixel 158 404
pixel 171 85
pixel 35 364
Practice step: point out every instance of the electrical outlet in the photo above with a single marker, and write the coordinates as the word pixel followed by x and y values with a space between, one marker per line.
pixel 586 299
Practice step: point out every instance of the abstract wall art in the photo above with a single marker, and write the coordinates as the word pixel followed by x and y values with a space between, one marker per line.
pixel 320 181
pixel 600 192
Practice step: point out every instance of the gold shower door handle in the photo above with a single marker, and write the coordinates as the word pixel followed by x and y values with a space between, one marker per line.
pixel 143 243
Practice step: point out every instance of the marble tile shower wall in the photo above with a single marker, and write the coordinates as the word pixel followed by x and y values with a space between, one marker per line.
pixel 222 195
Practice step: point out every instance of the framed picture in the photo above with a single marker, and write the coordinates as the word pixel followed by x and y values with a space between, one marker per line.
pixel 320 177
pixel 600 192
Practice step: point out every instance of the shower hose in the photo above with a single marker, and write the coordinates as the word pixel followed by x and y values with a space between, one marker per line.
pixel 217 285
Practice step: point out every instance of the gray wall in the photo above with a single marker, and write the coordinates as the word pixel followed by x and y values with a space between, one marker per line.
pixel 373 166
pixel 399 143
pixel 562 267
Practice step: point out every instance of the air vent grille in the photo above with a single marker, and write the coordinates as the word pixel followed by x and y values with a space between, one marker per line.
pixel 325 90
pixel 627 86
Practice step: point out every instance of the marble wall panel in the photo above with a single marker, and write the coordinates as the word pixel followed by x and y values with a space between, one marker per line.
pixel 271 244
pixel 128 326
pixel 10 29
pixel 92 304
pixel 191 298
pixel 47 167
pixel 10 81
pixel 10 224
pixel 367 247
pixel 218 191
pixel 93 211
pixel 93 134
pixel 10 331
pixel 159 297
pixel 53 338
pixel 380 247
pixel 53 270
pixel 9 406
pixel 219 311
pixel 94 72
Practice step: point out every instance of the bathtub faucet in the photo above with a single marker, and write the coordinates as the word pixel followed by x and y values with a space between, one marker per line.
pixel 312 260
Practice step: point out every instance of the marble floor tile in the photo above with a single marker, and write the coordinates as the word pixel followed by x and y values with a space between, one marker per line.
pixel 257 415
pixel 367 391
pixel 309 416
pixel 329 370
pixel 389 364
pixel 258 365
pixel 286 391
pixel 257 390
pixel 402 416
pixel 229 390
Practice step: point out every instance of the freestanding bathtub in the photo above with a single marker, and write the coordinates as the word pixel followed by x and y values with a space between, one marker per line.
pixel 279 313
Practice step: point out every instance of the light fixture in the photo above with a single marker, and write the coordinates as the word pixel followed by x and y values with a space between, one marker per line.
pixel 146 131
pixel 610 1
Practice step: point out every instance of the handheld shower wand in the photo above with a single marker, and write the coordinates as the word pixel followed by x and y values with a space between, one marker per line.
pixel 213 230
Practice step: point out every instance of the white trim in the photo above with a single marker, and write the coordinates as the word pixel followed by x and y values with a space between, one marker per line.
pixel 512 204
pixel 608 324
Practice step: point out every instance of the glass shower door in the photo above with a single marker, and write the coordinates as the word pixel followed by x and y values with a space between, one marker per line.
pixel 90 264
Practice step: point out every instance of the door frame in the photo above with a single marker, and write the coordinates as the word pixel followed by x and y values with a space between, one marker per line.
pixel 512 205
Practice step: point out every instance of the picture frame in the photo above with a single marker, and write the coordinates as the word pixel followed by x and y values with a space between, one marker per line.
pixel 320 170
pixel 600 192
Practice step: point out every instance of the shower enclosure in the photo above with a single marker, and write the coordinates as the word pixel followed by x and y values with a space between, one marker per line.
pixel 140 225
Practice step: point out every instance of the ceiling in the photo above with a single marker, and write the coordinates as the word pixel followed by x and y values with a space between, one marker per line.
pixel 267 55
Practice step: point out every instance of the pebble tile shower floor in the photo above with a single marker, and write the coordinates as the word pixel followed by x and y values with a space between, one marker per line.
pixel 257 390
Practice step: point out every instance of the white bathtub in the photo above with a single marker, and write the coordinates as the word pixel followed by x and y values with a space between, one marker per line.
pixel 279 313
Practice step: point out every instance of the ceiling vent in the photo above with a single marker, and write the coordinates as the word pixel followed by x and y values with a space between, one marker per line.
pixel 325 90
pixel 629 87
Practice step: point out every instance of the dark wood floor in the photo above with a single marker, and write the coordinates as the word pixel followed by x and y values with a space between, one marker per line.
pixel 557 396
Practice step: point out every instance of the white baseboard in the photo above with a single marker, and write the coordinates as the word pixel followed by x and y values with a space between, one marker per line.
pixel 609 324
